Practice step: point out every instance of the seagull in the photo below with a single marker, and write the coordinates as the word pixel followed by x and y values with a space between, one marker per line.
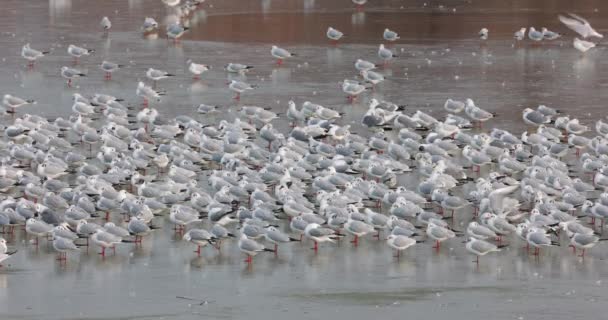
pixel 535 118
pixel 78 52
pixel 155 75
pixel 239 87
pixel 385 54
pixel 480 248
pixel 582 45
pixel 352 89
pixel 4 254
pixel 316 233
pixel 200 237
pixel 584 241
pixel 280 54
pixel 105 240
pixel 364 65
pixel 31 54
pixel 109 67
pixel 63 246
pixel 147 93
pixel 70 74
pixel 105 24
pixel 483 33
pixel 237 68
pixel 359 3
pixel 579 25
pixel 197 69
pixel 438 233
pixel 453 106
pixel 149 25
pixel 399 243
pixel 372 77
pixel 550 35
pixel 389 35
pixel 175 31
pixel 13 102
pixel 275 236
pixel 334 35
pixel 535 35
pixel 477 113
pixel 520 34
pixel 251 248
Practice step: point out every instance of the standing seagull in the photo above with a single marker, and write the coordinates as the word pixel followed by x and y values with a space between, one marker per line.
pixel 149 25
pixel 13 102
pixel 399 243
pixel 579 25
pixel 197 69
pixel 155 75
pixel 78 52
pixel 385 54
pixel 175 31
pixel 70 74
pixel 105 24
pixel 148 93
pixel 31 54
pixel 251 248
pixel 480 248
pixel 520 34
pixel 483 33
pixel 239 87
pixel 535 35
pixel 109 67
pixel 281 54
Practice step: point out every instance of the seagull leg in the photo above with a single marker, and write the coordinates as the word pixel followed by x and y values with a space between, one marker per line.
pixel 316 246
pixel 355 240
pixel 103 251
pixel 198 250
pixel 583 254
pixel 276 249
pixel 70 83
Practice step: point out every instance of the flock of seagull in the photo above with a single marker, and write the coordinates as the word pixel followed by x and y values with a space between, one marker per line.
pixel 103 175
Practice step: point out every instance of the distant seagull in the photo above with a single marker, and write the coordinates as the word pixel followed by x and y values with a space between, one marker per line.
pixel 31 54
pixel 237 68
pixel 13 102
pixel 171 3
pixel 579 25
pixel 197 69
pixel 520 34
pixel 535 35
pixel 147 93
pixel 105 24
pixel 385 54
pixel 483 33
pixel 78 52
pixel 582 45
pixel 535 118
pixel 359 3
pixel 372 77
pixel 149 25
pixel 352 89
pixel 108 67
pixel 281 54
pixel 155 75
pixel 70 74
pixel 390 35
pixel 364 65
pixel 334 35
pixel 550 35
pixel 175 31
pixel 239 87
pixel 453 106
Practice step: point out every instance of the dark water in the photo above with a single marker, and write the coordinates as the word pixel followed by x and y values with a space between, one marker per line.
pixel 439 57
